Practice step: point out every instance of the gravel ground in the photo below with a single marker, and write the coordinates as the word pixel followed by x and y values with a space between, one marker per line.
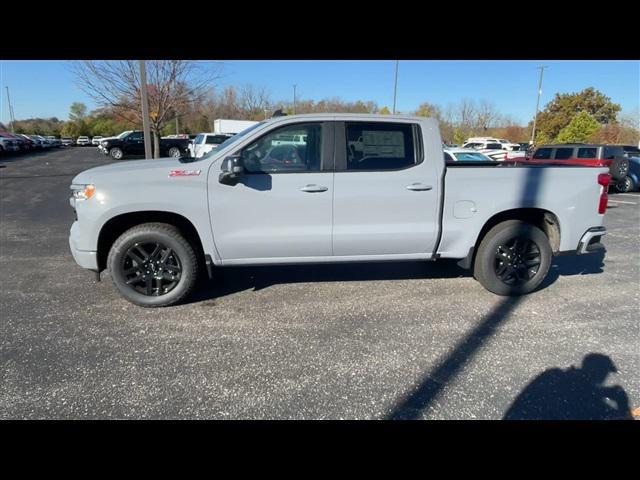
pixel 369 341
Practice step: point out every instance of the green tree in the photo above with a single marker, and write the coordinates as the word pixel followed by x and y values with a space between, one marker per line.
pixel 579 129
pixel 427 109
pixel 78 112
pixel 70 129
pixel 558 113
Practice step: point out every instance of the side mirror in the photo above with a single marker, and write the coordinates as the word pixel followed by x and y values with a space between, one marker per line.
pixel 232 168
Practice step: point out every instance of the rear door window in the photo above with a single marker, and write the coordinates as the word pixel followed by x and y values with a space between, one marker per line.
pixel 494 146
pixel 543 154
pixel 380 146
pixel 563 153
pixel 587 152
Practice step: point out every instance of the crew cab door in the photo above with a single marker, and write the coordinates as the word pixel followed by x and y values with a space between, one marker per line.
pixel 385 192
pixel 134 143
pixel 281 206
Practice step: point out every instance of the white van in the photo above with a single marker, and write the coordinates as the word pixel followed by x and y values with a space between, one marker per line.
pixel 205 142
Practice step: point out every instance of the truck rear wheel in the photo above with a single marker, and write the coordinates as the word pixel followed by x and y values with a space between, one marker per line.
pixel 513 258
pixel 175 152
pixel 153 265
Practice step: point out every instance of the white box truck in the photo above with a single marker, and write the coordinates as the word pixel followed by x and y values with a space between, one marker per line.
pixel 222 125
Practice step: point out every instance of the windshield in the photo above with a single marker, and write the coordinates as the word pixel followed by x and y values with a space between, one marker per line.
pixel 124 134
pixel 231 140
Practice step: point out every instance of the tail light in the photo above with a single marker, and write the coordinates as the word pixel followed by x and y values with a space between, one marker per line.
pixel 603 179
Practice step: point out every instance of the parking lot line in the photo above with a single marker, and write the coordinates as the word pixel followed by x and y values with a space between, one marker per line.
pixel 620 201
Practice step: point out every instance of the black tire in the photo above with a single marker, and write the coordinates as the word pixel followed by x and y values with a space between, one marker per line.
pixel 177 249
pixel 492 258
pixel 625 186
pixel 116 153
pixel 619 168
pixel 175 152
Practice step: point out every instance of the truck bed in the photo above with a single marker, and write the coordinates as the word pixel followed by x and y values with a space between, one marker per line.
pixel 474 192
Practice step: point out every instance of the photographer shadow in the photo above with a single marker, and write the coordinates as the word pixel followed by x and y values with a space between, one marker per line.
pixel 573 394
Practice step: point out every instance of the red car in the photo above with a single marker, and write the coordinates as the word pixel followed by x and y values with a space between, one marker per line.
pixel 590 155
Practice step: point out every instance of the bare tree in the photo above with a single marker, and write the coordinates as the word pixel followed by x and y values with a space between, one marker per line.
pixel 173 85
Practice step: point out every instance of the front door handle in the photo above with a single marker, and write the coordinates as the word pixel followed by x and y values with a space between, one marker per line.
pixel 419 187
pixel 314 188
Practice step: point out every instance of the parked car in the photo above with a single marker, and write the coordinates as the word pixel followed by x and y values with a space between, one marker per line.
pixel 53 141
pixel 8 143
pixel 157 224
pixel 631 150
pixel 465 155
pixel 96 140
pixel 590 155
pixel 205 142
pixel 495 150
pixel 47 142
pixel 66 141
pixel 83 141
pixel 29 143
pixel 39 142
pixel 18 141
pixel 131 142
pixel 506 144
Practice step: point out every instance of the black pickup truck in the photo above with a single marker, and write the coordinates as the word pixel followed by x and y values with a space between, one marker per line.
pixel 131 143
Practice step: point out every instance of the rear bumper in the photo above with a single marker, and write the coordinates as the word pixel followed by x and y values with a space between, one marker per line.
pixel 590 241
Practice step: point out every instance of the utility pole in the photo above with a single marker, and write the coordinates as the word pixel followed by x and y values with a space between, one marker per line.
pixel 145 111
pixel 395 87
pixel 11 119
pixel 535 118
pixel 294 99
pixel 175 86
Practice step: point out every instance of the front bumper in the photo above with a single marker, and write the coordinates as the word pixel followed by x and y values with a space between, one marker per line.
pixel 86 259
pixel 590 241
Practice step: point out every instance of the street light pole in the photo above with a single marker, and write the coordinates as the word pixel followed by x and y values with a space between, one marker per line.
pixel 535 118
pixel 395 87
pixel 11 119
pixel 294 99
pixel 145 111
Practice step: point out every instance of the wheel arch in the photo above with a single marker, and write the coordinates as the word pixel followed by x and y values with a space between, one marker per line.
pixel 117 225
pixel 547 221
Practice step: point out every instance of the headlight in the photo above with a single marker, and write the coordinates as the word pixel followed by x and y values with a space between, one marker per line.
pixel 82 192
pixel 104 144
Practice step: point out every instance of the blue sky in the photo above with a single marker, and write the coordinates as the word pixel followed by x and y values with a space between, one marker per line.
pixel 46 88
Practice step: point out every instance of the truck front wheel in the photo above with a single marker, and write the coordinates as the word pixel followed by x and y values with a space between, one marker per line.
pixel 116 153
pixel 153 265
pixel 513 258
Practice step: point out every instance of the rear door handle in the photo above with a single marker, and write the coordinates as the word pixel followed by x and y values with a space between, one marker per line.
pixel 314 188
pixel 419 187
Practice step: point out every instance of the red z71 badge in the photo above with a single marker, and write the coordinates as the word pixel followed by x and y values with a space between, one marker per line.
pixel 184 173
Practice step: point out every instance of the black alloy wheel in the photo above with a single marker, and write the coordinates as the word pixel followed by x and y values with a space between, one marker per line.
pixel 517 261
pixel 152 268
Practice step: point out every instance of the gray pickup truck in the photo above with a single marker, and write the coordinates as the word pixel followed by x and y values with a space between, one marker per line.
pixel 351 188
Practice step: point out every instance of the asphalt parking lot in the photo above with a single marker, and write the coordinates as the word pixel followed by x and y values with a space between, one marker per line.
pixel 369 341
